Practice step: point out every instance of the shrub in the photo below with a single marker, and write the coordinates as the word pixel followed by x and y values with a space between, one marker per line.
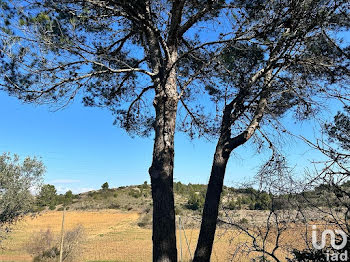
pixel 144 185
pixel 61 208
pixel 234 205
pixel 135 193
pixel 243 221
pixel 195 201
pixel 44 245
pixel 178 211
pixel 41 242
pixel 114 206
pixel 105 186
pixel 145 220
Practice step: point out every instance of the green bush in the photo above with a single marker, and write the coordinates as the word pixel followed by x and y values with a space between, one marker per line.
pixel 243 221
pixel 105 186
pixel 135 193
pixel 61 208
pixel 234 205
pixel 195 201
pixel 47 196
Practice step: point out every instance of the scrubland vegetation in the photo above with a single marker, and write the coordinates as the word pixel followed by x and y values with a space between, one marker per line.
pixel 114 224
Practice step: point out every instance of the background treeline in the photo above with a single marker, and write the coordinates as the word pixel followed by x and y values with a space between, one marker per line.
pixel 189 197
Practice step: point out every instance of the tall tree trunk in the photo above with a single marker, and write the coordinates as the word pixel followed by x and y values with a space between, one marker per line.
pixel 211 207
pixel 225 146
pixel 161 170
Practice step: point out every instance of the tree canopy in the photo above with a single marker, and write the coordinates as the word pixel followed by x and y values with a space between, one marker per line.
pixel 214 68
pixel 105 186
pixel 17 179
pixel 47 196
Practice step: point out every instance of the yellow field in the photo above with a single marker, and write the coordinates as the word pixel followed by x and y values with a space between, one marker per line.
pixel 110 236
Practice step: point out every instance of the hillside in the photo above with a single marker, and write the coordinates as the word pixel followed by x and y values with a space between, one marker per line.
pixel 188 198
pixel 245 204
pixel 116 222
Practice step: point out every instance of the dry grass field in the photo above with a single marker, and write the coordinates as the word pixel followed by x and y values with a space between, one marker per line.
pixel 111 236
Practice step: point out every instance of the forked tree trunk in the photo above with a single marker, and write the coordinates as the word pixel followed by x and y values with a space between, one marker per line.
pixel 225 146
pixel 161 172
pixel 211 207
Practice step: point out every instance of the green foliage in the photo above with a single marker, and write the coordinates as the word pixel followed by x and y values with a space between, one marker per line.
pixel 195 201
pixel 136 193
pixel 339 130
pixel 243 221
pixel 251 199
pixel 105 186
pixel 47 196
pixel 262 202
pixel 68 198
pixel 179 188
pixel 232 205
pixel 16 179
pixel 235 204
pixel 144 185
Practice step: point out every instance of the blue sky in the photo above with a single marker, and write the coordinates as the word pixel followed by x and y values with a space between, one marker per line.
pixel 82 149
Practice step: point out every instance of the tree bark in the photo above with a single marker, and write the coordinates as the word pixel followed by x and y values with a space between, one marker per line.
pixel 211 206
pixel 161 170
pixel 225 146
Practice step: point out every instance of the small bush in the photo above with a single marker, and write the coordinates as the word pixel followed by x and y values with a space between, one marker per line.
pixel 145 220
pixel 135 193
pixel 195 201
pixel 44 245
pixel 243 221
pixel 114 206
pixel 178 210
pixel 234 205
pixel 105 186
pixel 41 242
pixel 61 208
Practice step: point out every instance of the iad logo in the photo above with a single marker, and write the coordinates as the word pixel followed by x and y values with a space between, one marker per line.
pixel 334 256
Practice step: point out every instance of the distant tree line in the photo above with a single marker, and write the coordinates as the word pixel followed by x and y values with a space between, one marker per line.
pixel 48 197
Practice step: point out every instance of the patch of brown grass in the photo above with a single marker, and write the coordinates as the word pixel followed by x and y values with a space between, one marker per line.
pixel 115 236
